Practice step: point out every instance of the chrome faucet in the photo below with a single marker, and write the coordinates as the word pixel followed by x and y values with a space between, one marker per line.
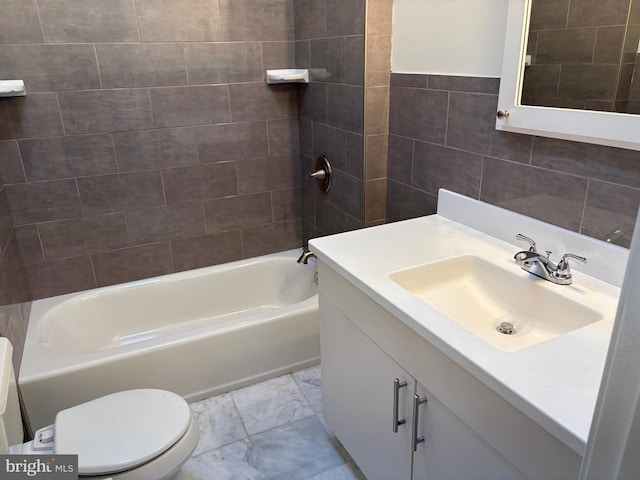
pixel 306 255
pixel 541 266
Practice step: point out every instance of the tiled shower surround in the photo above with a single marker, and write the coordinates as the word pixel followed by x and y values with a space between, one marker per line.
pixel 346 44
pixel 330 42
pixel 148 142
pixel 442 135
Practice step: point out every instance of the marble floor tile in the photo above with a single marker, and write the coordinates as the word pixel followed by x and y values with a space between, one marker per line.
pixel 297 450
pixel 346 471
pixel 219 423
pixel 309 383
pixel 270 404
pixel 236 461
pixel 267 431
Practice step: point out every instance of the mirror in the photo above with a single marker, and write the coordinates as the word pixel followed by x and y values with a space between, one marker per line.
pixel 582 55
pixel 591 126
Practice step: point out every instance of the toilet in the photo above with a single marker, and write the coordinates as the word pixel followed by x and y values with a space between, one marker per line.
pixel 144 434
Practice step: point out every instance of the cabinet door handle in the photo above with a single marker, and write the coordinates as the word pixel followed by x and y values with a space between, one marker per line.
pixel 415 440
pixel 397 385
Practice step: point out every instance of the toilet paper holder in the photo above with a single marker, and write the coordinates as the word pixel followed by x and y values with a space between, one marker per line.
pixel 322 173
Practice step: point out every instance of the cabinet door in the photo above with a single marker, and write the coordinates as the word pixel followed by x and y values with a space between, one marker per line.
pixel 452 450
pixel 358 390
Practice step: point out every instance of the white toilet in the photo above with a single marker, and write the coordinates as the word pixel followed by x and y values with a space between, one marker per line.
pixel 142 434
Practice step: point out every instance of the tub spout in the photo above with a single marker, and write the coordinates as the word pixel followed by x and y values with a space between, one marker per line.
pixel 306 255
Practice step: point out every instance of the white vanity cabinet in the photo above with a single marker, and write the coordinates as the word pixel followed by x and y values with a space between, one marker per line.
pixel 360 382
pixel 453 451
pixel 357 381
pixel 469 431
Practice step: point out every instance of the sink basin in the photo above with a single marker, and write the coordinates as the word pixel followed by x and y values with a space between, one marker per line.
pixel 479 296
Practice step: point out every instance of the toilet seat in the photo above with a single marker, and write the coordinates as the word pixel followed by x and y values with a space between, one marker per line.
pixel 121 431
pixel 162 467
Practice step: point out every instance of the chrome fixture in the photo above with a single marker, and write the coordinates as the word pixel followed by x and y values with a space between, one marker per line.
pixel 322 173
pixel 397 385
pixel 306 255
pixel 541 266
pixel 502 114
pixel 614 235
pixel 415 439
pixel 506 328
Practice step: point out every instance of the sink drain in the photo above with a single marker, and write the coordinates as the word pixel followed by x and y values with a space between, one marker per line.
pixel 506 328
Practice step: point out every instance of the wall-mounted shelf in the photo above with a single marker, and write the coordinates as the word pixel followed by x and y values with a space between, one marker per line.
pixel 289 75
pixel 12 88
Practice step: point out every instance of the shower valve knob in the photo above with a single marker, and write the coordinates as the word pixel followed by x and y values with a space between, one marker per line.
pixel 322 173
pixel 319 174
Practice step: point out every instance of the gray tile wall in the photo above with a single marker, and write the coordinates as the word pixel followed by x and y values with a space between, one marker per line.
pixel 582 54
pixel 628 95
pixel 148 142
pixel 442 135
pixel 634 91
pixel 14 288
pixel 330 40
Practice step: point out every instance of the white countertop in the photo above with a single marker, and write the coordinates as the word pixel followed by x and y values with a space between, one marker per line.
pixel 555 382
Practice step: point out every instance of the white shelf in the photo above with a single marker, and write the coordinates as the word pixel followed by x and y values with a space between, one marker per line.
pixel 289 75
pixel 12 88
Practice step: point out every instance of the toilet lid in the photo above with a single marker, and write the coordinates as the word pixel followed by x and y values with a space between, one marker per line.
pixel 122 430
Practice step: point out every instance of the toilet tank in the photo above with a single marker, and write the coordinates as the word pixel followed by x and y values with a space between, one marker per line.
pixel 10 419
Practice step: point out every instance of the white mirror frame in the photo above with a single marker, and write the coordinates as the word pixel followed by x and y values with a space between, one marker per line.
pixel 604 128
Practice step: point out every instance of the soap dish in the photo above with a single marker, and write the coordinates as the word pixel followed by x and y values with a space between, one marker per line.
pixel 288 75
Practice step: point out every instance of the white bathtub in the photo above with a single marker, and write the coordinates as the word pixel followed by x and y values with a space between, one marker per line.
pixel 197 333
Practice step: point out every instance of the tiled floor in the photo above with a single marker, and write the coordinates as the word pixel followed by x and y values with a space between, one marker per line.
pixel 271 430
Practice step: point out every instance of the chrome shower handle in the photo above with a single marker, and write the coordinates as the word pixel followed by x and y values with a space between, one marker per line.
pixel 322 173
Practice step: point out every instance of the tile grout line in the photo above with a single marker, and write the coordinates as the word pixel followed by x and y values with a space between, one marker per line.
pixel 135 17
pixel 39 21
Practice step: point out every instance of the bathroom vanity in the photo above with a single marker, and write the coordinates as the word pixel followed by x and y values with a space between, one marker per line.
pixel 413 389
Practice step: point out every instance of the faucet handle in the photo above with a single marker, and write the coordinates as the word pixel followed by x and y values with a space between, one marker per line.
pixel 532 244
pixel 570 256
pixel 563 270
